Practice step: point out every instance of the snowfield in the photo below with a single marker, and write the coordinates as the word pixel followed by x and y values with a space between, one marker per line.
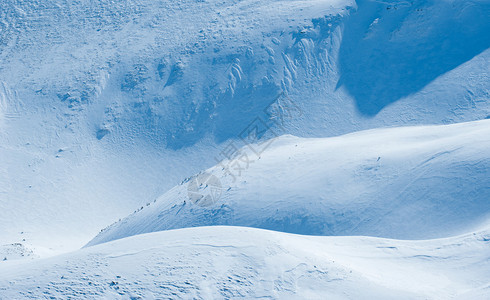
pixel 333 149
pixel 233 262
pixel 105 106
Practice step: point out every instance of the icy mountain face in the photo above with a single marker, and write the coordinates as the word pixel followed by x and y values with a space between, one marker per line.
pixel 409 183
pixel 171 73
pixel 166 72
pixel 106 105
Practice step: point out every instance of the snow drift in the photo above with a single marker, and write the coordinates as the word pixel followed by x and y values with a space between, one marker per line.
pixel 233 262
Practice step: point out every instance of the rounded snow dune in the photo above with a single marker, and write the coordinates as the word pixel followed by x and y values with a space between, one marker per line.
pixel 407 183
pixel 223 262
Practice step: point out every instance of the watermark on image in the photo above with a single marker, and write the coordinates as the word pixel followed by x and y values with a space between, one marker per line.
pixel 206 189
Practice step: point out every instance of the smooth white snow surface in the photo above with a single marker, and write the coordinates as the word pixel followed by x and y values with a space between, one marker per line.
pixel 235 262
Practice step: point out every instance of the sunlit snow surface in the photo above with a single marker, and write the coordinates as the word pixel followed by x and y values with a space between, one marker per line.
pixel 234 262
pixel 410 182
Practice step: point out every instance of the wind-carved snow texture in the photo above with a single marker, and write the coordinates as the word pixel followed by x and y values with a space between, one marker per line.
pixel 191 81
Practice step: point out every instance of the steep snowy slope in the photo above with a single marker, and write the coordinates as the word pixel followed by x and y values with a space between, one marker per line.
pixel 97 99
pixel 105 105
pixel 408 182
pixel 232 262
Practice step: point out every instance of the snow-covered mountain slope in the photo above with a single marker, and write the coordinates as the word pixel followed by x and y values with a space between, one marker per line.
pixel 407 182
pixel 233 262
pixel 105 105
pixel 98 98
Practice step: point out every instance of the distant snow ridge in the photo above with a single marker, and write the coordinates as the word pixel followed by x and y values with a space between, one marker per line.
pixel 408 182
